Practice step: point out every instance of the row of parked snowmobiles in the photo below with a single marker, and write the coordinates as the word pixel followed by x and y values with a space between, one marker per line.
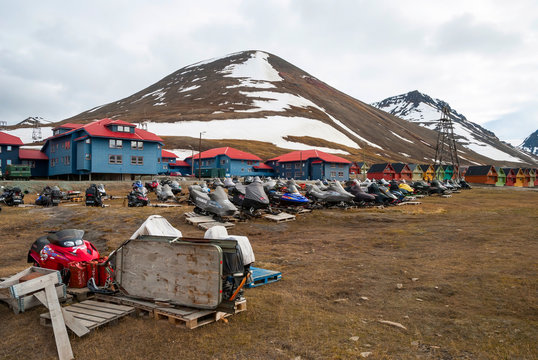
pixel 276 195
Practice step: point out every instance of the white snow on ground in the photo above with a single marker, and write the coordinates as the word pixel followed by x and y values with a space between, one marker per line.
pixel 33 147
pixel 261 129
pixel 158 94
pixel 183 153
pixel 95 108
pixel 339 123
pixel 255 72
pixel 404 154
pixel 492 153
pixel 190 88
pixel 400 137
pixel 276 101
pixel 472 162
pixel 25 134
pixel 159 104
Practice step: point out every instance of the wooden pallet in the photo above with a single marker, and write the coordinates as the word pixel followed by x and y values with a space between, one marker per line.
pixel 209 225
pixel 282 217
pixel 190 318
pixel 92 313
pixel 409 203
pixel 164 205
pixel 80 294
pixel 193 318
pixel 262 277
pixel 446 196
pixel 190 214
pixel 195 220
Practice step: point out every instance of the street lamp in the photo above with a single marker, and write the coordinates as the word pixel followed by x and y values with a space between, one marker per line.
pixel 200 157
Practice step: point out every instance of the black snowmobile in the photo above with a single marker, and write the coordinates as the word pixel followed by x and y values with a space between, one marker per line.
pixel 174 186
pixel 464 185
pixel 380 196
pixel 422 187
pixel 93 196
pixel 50 196
pixel 438 188
pixel 334 195
pixel 12 196
pixel 215 203
pixel 254 199
pixel 237 194
pixel 361 197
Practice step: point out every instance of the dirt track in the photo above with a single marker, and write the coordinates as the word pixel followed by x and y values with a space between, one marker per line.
pixel 466 265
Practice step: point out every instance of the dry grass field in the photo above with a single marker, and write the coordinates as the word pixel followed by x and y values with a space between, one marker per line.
pixel 467 268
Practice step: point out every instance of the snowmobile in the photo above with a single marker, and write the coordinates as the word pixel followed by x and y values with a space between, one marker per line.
pixel 237 194
pixel 12 196
pixel 164 192
pixel 102 191
pixel 152 185
pixel 137 197
pixel 174 186
pixel 254 199
pixel 215 203
pixel 93 196
pixel 465 185
pixel 361 197
pixel 438 188
pixel 249 179
pixel 330 197
pixel 380 196
pixel 56 250
pixel 421 187
pixel 216 182
pixel 50 196
pixel 228 183
pixel 290 198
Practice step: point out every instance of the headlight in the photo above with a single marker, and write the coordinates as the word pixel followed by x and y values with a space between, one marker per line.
pixel 69 244
pixel 78 242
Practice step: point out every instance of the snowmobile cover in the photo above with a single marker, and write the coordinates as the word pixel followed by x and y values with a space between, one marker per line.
pixel 220 232
pixel 240 188
pixel 158 226
pixel 254 191
pixel 165 191
pixel 228 183
pixel 218 194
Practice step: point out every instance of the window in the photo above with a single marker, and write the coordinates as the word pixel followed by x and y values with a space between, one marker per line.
pixel 122 128
pixel 115 159
pixel 333 165
pixel 0 148
pixel 249 162
pixel 88 141
pixel 30 163
pixel 137 160
pixel 52 148
pixel 333 174
pixel 341 166
pixel 249 169
pixel 87 156
pixel 8 161
pixel 68 160
pixel 288 174
pixel 68 144
pixel 223 162
pixel 288 166
pixel 115 144
pixel 138 145
pixel 0 162
pixel 297 165
pixel 165 166
pixel 159 160
pixel 8 148
pixel 298 174
pixel 340 173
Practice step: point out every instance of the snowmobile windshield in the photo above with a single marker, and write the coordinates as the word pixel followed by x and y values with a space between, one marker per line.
pixel 254 191
pixel 219 194
pixel 240 188
pixel 67 238
pixel 293 190
pixel 269 185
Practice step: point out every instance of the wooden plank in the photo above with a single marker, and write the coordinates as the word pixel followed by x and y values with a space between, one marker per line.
pixel 15 278
pixel 83 305
pixel 208 225
pixel 82 310
pixel 180 312
pixel 36 284
pixel 88 324
pixel 94 319
pixel 139 304
pixel 111 306
pixel 76 326
pixel 200 219
pixel 282 217
pixel 63 346
pixel 29 301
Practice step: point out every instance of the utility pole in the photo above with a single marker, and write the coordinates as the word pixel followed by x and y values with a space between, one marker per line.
pixel 445 137
pixel 192 160
pixel 200 157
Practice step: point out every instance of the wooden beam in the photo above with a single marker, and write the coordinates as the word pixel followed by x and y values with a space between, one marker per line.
pixel 58 326
pixel 75 325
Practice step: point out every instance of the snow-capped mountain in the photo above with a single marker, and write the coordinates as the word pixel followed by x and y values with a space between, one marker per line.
pixel 260 103
pixel 424 110
pixel 33 121
pixel 530 144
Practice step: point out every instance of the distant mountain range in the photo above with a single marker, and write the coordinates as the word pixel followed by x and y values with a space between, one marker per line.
pixel 530 144
pixel 425 111
pixel 258 102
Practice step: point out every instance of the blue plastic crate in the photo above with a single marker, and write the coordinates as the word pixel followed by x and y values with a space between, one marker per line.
pixel 263 277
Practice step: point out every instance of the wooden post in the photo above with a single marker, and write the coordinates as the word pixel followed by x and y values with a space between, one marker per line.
pixel 60 332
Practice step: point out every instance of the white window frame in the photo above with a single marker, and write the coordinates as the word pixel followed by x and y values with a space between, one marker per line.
pixel 115 144
pixel 115 159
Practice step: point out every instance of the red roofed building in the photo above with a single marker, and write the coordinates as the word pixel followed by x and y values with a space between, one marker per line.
pixel 9 150
pixel 310 164
pixel 165 160
pixel 36 160
pixel 233 162
pixel 106 149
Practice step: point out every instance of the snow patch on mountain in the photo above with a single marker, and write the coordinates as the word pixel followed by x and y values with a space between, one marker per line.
pixel 32 121
pixel 256 72
pixel 261 129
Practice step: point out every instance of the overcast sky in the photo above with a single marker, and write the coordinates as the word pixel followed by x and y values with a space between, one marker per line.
pixel 59 58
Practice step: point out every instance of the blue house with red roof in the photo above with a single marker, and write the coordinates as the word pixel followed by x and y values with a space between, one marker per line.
pixel 310 165
pixel 180 166
pixel 167 158
pixel 103 149
pixel 36 160
pixel 9 150
pixel 235 162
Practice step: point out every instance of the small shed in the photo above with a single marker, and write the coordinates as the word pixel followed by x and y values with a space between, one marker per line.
pixel 481 174
pixel 402 172
pixel 449 172
pixel 501 176
pixel 510 176
pixel 526 176
pixel 381 171
pixel 416 172
pixel 534 178
pixel 428 172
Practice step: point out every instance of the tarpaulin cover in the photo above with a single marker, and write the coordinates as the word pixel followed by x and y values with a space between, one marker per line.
pixel 220 232
pixel 158 226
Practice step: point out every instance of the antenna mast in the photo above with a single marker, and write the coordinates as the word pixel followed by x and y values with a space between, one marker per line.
pixel 446 143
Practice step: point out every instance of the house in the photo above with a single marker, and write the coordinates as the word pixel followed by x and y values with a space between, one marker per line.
pixel 36 160
pixel 358 170
pixel 416 172
pixel 310 164
pixel 449 172
pixel 263 170
pixel 232 162
pixel 428 172
pixel 103 149
pixel 534 180
pixel 402 172
pixel 519 177
pixel 166 158
pixel 526 176
pixel 439 172
pixel 481 174
pixel 510 176
pixel 180 166
pixel 9 150
pixel 501 176
pixel 381 171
